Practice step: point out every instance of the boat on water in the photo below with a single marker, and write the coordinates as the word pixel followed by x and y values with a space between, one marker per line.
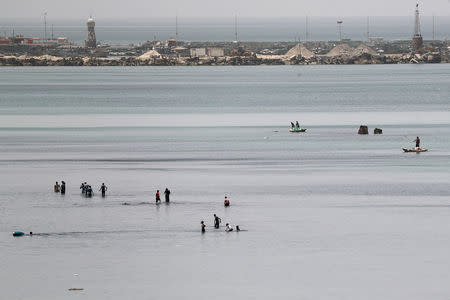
pixel 297 129
pixel 416 150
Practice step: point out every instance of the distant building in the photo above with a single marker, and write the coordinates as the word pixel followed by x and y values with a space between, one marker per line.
pixel 216 52
pixel 417 38
pixel 91 41
pixel 172 42
pixel 198 52
pixel 62 41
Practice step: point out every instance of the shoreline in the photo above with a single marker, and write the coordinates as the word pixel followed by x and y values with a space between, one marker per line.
pixel 364 59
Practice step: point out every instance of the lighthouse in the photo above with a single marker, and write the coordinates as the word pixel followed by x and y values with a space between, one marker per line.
pixel 417 38
pixel 91 41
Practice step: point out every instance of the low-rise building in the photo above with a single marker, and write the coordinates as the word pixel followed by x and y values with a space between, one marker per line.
pixel 216 52
pixel 198 52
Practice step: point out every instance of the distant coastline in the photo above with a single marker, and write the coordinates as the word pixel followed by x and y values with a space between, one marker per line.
pixel 173 53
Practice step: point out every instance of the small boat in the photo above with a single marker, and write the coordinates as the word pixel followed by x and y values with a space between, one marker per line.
pixel 418 150
pixel 18 233
pixel 297 129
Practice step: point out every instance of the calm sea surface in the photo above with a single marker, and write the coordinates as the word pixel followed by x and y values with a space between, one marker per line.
pixel 328 214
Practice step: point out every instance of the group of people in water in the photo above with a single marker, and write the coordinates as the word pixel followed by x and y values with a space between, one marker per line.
pixel 60 188
pixel 166 196
pixel 217 221
pixel 86 189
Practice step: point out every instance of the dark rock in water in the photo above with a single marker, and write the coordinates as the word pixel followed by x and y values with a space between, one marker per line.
pixel 363 129
pixel 378 131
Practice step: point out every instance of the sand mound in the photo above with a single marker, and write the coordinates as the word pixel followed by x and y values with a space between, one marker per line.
pixel 363 49
pixel 299 50
pixel 341 50
pixel 149 55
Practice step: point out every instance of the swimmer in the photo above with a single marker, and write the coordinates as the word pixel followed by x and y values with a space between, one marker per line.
pixel 226 202
pixel 228 228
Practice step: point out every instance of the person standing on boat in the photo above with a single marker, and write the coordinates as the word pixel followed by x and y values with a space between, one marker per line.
pixel 417 140
pixel 103 188
pixel 63 187
pixel 167 195
pixel 158 198
pixel 217 221
pixel 292 125
pixel 297 125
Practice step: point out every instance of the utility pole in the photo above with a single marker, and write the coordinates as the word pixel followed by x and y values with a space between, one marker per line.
pixel 176 29
pixel 434 28
pixel 45 27
pixel 235 29
pixel 52 33
pixel 306 29
pixel 368 34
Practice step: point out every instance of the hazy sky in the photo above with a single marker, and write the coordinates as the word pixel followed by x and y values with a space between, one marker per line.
pixel 129 9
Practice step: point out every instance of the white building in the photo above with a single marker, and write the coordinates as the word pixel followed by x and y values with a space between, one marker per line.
pixel 198 52
pixel 216 52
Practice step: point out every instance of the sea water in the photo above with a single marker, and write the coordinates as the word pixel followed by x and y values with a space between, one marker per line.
pixel 326 214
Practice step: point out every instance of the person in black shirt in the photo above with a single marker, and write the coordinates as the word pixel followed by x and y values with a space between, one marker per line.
pixel 217 221
pixel 167 195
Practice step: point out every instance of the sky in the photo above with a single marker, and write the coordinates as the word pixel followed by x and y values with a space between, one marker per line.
pixel 142 9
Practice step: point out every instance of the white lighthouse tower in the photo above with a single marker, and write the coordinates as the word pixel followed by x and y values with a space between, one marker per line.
pixel 91 41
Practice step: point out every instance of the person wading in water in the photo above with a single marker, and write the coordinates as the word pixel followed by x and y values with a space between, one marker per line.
pixel 103 188
pixel 167 195
pixel 217 221
pixel 158 198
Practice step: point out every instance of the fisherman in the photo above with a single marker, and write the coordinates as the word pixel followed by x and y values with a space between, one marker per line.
pixel 103 188
pixel 56 187
pixel 417 140
pixel 63 187
pixel 202 224
pixel 167 195
pixel 228 228
pixel 297 125
pixel 292 125
pixel 217 221
pixel 158 199
pixel 226 202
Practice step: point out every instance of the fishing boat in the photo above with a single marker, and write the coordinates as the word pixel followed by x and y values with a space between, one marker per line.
pixel 416 150
pixel 297 129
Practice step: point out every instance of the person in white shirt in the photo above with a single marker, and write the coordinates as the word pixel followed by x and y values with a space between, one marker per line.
pixel 228 228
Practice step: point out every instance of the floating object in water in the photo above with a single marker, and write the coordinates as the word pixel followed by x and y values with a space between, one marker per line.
pixel 363 129
pixel 18 233
pixel 76 289
pixel 297 130
pixel 275 131
pixel 415 150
